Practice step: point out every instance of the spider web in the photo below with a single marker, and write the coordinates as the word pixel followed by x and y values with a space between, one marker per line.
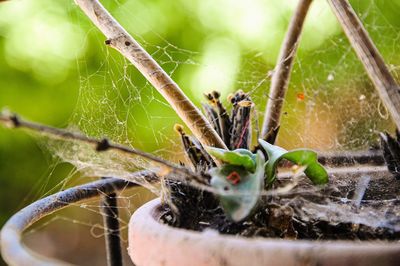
pixel 330 106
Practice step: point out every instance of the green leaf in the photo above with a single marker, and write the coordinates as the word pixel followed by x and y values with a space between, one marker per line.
pixel 303 157
pixel 238 200
pixel 239 157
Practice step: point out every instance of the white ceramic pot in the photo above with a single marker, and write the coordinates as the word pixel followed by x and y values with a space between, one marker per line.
pixel 152 243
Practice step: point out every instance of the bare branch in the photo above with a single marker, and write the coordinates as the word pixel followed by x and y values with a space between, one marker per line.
pixel 99 144
pixel 122 41
pixel 283 68
pixel 370 57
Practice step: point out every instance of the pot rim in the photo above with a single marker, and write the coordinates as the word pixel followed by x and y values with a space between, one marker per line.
pixel 149 215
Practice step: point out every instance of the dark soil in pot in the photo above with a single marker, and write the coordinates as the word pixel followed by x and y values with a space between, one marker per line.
pixel 357 204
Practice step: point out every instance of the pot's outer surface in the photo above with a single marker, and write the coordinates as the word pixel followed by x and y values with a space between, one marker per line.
pixel 152 244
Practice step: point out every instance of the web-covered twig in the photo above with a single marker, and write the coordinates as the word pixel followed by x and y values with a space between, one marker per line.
pixel 281 75
pixel 100 145
pixel 122 41
pixel 370 57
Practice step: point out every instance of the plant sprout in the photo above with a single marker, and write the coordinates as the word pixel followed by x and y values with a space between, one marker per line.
pixel 243 174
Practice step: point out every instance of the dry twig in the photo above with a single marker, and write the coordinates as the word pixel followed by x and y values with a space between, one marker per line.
pixel 283 68
pixel 122 41
pixel 369 56
pixel 100 145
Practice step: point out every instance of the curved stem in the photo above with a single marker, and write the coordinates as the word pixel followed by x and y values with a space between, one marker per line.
pixel 15 253
pixel 122 41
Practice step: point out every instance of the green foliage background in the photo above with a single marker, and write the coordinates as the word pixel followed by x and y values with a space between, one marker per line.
pixel 47 47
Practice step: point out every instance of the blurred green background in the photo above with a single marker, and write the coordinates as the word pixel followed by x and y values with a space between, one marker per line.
pixel 55 69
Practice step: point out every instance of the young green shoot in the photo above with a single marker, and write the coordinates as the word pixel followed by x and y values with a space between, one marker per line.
pixel 243 175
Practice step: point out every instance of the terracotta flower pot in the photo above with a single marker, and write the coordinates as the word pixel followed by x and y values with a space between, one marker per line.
pixel 154 243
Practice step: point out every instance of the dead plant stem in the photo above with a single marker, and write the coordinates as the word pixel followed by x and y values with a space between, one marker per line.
pixel 122 41
pixel 369 56
pixel 283 68
pixel 99 144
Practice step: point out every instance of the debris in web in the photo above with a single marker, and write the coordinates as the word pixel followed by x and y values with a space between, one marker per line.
pixel 360 198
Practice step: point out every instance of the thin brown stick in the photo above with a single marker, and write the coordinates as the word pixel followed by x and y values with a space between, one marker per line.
pixel 283 68
pixel 122 41
pixel 100 144
pixel 370 57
